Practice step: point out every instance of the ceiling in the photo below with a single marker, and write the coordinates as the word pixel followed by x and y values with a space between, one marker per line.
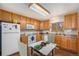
pixel 55 9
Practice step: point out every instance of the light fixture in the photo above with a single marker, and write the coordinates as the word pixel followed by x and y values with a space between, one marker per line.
pixel 39 9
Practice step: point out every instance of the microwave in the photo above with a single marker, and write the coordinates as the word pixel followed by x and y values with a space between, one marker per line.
pixel 30 26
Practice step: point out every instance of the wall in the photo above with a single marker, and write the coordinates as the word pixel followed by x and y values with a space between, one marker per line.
pixel 55 19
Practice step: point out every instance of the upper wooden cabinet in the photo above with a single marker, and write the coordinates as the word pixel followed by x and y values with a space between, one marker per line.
pixel 41 25
pixel 31 21
pixel 78 21
pixel 5 16
pixel 23 23
pixel 45 25
pixel 70 21
pixel 15 18
pixel 0 14
pixel 28 20
pixel 37 24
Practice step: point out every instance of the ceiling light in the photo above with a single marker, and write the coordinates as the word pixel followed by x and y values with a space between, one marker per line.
pixel 39 9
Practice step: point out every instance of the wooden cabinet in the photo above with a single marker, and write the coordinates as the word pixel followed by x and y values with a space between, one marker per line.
pixel 72 44
pixel 38 37
pixel 28 20
pixel 5 16
pixel 66 43
pixel 32 21
pixel 37 25
pixel 78 43
pixel 78 22
pixel 58 40
pixel 23 23
pixel 41 25
pixel 0 14
pixel 70 21
pixel 74 20
pixel 78 46
pixel 24 39
pixel 45 25
pixel 15 18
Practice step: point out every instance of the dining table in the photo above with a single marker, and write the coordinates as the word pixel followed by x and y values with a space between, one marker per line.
pixel 45 50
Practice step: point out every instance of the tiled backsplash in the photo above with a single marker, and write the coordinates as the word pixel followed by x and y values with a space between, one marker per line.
pixel 29 32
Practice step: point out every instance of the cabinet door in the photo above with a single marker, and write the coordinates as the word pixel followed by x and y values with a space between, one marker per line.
pixel 74 20
pixel 38 37
pixel 78 22
pixel 72 44
pixel 37 25
pixel 47 25
pixel 5 16
pixel 23 23
pixel 78 44
pixel 42 25
pixel 70 21
pixel 32 21
pixel 15 18
pixel 58 40
pixel 24 39
pixel 65 21
pixel 0 14
pixel 28 20
pixel 64 42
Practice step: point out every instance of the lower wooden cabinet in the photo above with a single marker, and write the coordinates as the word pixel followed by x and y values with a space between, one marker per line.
pixel 72 44
pixel 38 37
pixel 78 44
pixel 24 39
pixel 66 42
pixel 58 40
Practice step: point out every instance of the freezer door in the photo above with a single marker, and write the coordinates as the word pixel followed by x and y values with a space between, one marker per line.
pixel 10 27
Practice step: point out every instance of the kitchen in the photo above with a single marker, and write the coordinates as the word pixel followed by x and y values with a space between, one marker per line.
pixel 61 27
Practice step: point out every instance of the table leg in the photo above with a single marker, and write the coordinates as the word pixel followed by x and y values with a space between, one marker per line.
pixel 52 53
pixel 31 51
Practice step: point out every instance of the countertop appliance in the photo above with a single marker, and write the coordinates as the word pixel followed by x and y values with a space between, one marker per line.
pixel 9 38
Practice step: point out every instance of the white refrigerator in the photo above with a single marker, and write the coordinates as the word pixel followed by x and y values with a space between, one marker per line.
pixel 10 36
